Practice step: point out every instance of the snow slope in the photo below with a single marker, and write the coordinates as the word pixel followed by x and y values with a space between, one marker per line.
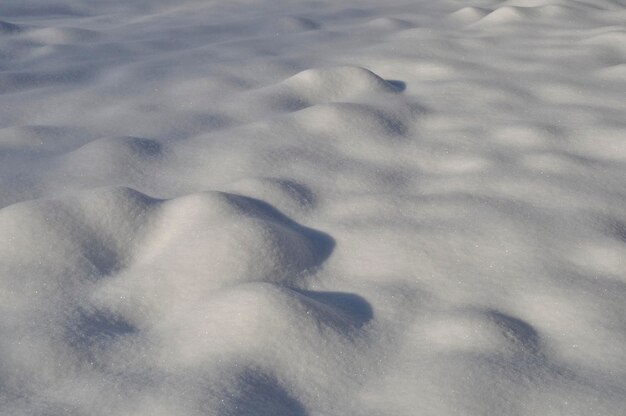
pixel 270 207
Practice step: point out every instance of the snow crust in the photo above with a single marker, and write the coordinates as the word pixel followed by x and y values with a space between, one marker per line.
pixel 260 207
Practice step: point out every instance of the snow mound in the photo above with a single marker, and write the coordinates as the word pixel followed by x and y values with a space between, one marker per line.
pixel 225 239
pixel 339 83
pixel 468 15
pixel 507 15
pixel 103 160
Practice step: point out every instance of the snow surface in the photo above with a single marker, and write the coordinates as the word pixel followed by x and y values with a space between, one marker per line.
pixel 271 207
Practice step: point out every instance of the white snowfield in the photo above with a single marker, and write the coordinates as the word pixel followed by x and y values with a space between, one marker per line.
pixel 312 207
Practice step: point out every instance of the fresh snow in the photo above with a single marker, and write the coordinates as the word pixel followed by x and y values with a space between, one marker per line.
pixel 312 208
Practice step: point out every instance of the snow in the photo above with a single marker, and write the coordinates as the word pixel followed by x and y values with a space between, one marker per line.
pixel 312 208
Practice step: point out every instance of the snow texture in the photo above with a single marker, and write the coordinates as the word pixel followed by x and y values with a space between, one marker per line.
pixel 312 207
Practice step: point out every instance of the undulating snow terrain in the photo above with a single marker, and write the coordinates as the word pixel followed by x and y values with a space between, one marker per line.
pixel 272 207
